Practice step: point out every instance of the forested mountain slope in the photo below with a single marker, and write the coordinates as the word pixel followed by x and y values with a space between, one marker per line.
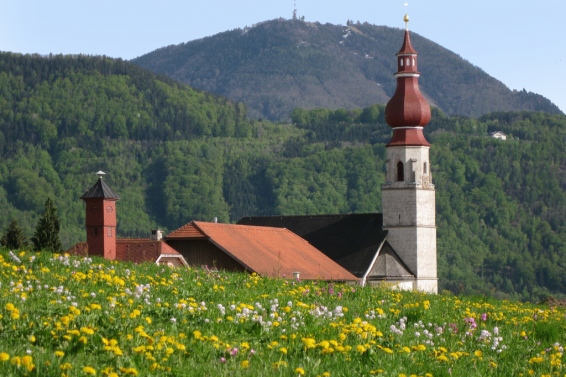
pixel 278 65
pixel 174 154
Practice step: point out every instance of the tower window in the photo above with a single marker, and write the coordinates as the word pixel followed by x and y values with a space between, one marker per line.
pixel 401 62
pixel 400 171
pixel 424 168
pixel 413 61
pixel 109 232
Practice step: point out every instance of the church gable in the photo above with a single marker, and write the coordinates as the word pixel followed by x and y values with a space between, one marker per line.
pixel 388 266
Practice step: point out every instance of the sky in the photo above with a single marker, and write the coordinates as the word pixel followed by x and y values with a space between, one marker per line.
pixel 521 43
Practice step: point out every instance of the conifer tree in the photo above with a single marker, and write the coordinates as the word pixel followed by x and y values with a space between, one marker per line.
pixel 46 235
pixel 14 237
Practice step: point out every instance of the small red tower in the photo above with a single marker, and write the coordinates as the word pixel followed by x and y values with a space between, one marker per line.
pixel 407 112
pixel 101 219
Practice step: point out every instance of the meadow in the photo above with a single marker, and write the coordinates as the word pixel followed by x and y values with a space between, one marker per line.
pixel 69 316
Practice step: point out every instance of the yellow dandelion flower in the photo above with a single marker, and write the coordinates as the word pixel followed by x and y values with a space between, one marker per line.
pixel 536 360
pixel 245 345
pixel 27 360
pixel 66 366
pixel 388 350
pixel 4 356
pixel 89 370
pixel 130 371
pixel 478 353
pixel 245 363
pixel 360 348
pixel 87 330
pixel 59 353
pixel 279 364
pixel 300 371
pixel 309 342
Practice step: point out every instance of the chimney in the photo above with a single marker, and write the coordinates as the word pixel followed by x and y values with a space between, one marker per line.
pixel 156 235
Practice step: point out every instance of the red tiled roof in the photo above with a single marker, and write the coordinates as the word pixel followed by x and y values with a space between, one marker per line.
pixel 274 252
pixel 187 231
pixel 80 249
pixel 139 250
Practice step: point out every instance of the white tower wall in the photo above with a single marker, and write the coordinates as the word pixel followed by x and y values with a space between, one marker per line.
pixel 409 212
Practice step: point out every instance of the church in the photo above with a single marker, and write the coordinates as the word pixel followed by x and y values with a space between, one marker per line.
pixel 397 246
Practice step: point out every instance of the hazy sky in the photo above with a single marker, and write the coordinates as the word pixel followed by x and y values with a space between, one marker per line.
pixel 521 43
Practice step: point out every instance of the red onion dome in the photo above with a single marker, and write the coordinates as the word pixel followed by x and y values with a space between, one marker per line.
pixel 407 112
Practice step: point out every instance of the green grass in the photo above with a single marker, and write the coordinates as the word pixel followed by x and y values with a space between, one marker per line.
pixel 66 316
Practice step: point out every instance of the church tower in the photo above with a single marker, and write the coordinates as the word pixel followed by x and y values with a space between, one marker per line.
pixel 101 219
pixel 408 195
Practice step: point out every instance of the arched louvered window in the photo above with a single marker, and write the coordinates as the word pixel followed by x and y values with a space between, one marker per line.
pixel 400 171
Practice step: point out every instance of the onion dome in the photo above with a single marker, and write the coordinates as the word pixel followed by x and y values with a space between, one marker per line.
pixel 407 112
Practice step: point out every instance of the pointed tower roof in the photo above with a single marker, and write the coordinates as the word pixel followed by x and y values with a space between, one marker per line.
pixel 407 47
pixel 407 112
pixel 100 190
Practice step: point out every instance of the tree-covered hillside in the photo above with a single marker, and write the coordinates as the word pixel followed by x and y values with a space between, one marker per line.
pixel 181 154
pixel 276 66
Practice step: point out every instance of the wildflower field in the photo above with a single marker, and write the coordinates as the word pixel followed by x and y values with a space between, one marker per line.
pixel 67 316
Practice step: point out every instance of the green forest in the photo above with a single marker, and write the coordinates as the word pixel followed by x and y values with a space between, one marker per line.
pixel 174 154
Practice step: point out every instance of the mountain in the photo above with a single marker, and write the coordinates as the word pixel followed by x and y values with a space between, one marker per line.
pixel 175 154
pixel 279 65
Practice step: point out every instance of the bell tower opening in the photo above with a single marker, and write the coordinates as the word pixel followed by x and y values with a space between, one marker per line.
pixel 400 171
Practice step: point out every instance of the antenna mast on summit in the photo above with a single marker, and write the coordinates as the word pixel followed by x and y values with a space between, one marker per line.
pixel 295 10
